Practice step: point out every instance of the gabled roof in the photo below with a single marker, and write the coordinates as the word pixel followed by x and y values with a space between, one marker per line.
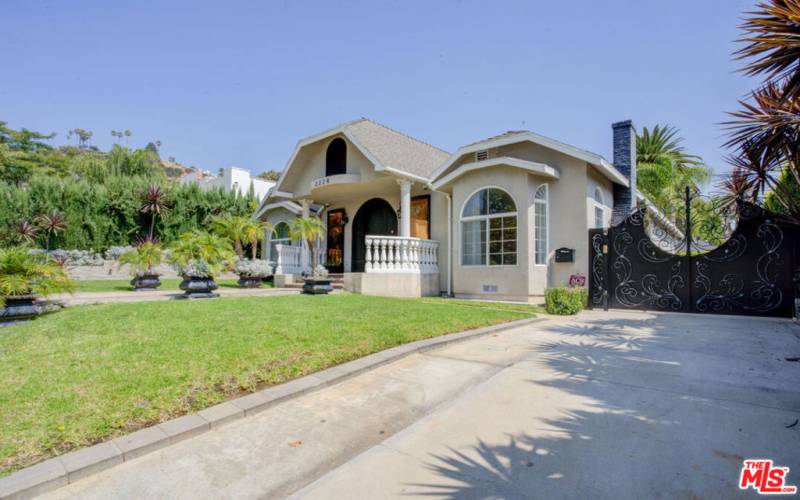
pixel 396 150
pixel 515 136
pixel 388 149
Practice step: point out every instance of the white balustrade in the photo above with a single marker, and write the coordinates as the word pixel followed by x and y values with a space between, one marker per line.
pixel 290 259
pixel 395 254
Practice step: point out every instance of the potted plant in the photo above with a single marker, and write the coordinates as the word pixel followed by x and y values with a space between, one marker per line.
pixel 143 259
pixel 309 229
pixel 252 272
pixel 24 276
pixel 199 256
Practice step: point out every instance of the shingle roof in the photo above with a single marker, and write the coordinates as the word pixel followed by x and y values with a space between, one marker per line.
pixel 395 149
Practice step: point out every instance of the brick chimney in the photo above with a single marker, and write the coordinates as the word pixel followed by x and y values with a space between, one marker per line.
pixel 625 162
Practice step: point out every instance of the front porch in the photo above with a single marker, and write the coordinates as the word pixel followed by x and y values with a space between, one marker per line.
pixel 394 266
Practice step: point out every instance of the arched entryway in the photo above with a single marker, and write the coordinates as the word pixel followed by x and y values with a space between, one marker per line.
pixel 377 217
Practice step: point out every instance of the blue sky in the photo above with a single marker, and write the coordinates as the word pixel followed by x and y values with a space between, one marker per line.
pixel 238 83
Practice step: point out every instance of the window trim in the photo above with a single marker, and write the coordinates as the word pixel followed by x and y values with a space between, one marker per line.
pixel 486 217
pixel 546 204
pixel 599 205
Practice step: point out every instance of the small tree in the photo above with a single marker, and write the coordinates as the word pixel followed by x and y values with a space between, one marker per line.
pixel 308 229
pixel 52 224
pixel 154 202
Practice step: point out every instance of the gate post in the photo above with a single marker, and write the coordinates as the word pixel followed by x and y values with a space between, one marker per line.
pixel 690 271
pixel 606 234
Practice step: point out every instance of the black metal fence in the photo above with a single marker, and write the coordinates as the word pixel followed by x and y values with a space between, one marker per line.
pixel 647 262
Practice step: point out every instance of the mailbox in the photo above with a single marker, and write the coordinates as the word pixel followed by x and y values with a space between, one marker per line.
pixel 565 255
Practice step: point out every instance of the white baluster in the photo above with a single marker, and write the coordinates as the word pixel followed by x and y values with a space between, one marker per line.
pixel 368 257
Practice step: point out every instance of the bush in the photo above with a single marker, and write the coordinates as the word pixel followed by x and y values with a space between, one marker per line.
pixel 565 301
pixel 115 252
pixel 249 268
pixel 72 257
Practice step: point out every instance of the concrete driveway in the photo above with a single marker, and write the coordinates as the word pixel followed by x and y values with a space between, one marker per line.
pixel 605 405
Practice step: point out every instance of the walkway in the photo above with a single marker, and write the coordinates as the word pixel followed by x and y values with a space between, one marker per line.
pixel 608 405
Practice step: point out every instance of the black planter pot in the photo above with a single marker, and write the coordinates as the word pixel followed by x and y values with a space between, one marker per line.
pixel 146 282
pixel 198 288
pixel 249 282
pixel 317 286
pixel 20 308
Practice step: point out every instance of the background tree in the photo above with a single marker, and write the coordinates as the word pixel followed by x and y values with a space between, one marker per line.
pixel 665 169
pixel 82 135
pixel 269 175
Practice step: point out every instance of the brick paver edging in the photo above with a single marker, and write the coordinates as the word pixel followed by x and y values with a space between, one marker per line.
pixel 68 468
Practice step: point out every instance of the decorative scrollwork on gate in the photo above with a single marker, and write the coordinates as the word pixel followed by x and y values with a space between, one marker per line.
pixel 598 269
pixel 767 294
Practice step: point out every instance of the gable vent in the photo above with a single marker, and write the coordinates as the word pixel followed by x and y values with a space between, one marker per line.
pixel 481 155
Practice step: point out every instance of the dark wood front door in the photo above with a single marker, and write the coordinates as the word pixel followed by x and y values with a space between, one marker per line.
pixel 375 217
pixel 334 256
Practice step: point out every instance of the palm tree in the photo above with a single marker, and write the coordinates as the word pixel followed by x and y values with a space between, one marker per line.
pixel 766 130
pixel 256 231
pixel 52 224
pixel 154 202
pixel 664 167
pixel 308 229
pixel 236 228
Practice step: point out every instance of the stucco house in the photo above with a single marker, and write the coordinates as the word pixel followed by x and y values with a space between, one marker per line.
pixel 407 218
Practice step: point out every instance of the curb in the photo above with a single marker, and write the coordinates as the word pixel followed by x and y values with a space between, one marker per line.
pixel 65 469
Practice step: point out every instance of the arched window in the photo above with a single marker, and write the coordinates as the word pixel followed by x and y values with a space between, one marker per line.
pixel 336 157
pixel 279 237
pixel 540 229
pixel 599 209
pixel 489 229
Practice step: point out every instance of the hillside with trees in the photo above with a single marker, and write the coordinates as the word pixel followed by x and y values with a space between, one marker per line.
pixel 97 197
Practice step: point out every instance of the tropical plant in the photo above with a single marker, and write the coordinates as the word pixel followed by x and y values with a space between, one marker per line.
pixel 52 224
pixel 144 258
pixel 664 168
pixel 25 273
pixel 25 232
pixel 308 229
pixel 154 202
pixel 766 130
pixel 255 232
pixel 199 251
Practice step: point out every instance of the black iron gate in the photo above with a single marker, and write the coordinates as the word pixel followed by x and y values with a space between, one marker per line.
pixel 646 264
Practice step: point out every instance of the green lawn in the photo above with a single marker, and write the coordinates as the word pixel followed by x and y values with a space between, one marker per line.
pixel 84 374
pixel 125 285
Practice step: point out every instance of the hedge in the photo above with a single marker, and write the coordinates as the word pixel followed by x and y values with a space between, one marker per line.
pixel 104 214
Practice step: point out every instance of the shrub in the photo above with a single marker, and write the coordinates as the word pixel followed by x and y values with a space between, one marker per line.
pixel 72 257
pixel 565 301
pixel 115 252
pixel 143 258
pixel 23 273
pixel 250 268
pixel 200 254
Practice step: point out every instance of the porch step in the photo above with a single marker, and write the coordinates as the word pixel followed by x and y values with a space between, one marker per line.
pixel 337 281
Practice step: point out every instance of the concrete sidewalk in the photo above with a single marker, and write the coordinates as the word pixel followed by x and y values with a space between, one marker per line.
pixel 83 298
pixel 606 405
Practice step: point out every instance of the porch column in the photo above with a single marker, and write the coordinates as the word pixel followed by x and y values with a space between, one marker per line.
pixel 405 207
pixel 306 207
